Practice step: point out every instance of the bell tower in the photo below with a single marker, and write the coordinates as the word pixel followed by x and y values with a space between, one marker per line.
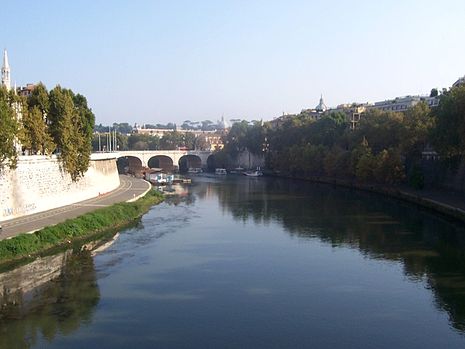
pixel 6 79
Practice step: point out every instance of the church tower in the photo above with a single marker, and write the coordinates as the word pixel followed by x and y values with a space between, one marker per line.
pixel 321 107
pixel 6 80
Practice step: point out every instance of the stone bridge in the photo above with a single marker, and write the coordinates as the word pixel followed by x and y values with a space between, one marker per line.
pixel 166 159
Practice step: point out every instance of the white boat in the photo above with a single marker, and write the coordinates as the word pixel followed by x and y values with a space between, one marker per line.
pixel 159 178
pixel 220 171
pixel 194 170
pixel 255 173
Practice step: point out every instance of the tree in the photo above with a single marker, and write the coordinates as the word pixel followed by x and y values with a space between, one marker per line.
pixel 447 135
pixel 255 138
pixel 388 167
pixel 71 125
pixel 35 136
pixel 235 140
pixel 39 98
pixel 418 123
pixel 171 140
pixel 434 92
pixel 35 133
pixel 8 131
pixel 189 140
pixel 382 130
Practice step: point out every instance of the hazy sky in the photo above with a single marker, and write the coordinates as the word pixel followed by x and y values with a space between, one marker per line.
pixel 169 61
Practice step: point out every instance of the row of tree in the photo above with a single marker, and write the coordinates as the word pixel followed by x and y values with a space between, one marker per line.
pixel 44 123
pixel 169 141
pixel 385 147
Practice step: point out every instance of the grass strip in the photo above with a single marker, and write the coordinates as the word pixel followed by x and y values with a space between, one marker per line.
pixel 25 245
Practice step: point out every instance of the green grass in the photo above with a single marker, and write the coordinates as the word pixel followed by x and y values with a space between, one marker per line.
pixel 118 215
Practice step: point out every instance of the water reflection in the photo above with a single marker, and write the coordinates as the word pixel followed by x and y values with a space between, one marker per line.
pixel 51 296
pixel 204 283
pixel 429 247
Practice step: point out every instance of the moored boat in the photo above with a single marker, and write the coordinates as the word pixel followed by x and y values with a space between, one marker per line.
pixel 255 173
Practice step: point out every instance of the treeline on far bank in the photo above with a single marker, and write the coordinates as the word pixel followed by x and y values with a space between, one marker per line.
pixel 58 121
pixel 385 147
pixel 169 141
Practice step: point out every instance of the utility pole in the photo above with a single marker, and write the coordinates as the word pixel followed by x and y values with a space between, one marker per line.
pixel 109 139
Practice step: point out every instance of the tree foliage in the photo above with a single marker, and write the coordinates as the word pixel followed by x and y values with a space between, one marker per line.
pixel 58 122
pixel 9 130
pixel 448 134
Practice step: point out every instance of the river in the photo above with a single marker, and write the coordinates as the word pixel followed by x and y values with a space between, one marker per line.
pixel 251 263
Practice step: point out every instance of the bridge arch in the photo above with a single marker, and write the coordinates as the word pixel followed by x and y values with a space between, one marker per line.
pixel 161 161
pixel 189 161
pixel 129 164
pixel 211 163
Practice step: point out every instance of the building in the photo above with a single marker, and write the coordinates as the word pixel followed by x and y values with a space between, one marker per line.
pixel 26 91
pixel 279 121
pixel 352 111
pixel 6 77
pixel 404 103
pixel 213 139
pixel 459 82
pixel 321 107
pixel 318 112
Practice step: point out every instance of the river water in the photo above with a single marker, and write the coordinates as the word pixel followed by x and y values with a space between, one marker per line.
pixel 251 263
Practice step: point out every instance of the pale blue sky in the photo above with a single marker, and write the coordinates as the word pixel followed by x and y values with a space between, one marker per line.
pixel 161 61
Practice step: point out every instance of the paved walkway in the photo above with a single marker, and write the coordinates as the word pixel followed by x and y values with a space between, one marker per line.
pixel 129 188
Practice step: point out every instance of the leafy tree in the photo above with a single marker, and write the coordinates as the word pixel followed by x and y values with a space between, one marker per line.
pixel 143 142
pixel 123 128
pixel 39 98
pixel 388 167
pixel 448 135
pixel 85 122
pixel 418 123
pixel 171 140
pixel 35 136
pixel 71 123
pixel 382 130
pixel 189 140
pixel 255 138
pixel 8 131
pixel 365 166
pixel 206 125
pixel 235 140
pixel 201 143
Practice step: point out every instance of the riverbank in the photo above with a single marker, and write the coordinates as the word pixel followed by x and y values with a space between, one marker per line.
pixel 71 230
pixel 445 203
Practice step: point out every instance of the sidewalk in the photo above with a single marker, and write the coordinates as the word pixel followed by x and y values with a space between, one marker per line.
pixel 129 189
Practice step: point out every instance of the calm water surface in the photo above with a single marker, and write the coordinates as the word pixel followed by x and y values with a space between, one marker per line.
pixel 251 263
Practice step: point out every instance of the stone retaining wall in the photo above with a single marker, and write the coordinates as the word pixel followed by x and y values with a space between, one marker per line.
pixel 39 184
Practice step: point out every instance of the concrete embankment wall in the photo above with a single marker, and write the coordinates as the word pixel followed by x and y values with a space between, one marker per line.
pixel 246 159
pixel 39 184
pixel 394 192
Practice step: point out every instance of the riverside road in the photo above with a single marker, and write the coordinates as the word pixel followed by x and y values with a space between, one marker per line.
pixel 129 188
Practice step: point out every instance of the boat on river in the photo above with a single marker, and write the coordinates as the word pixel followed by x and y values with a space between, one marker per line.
pixel 194 170
pixel 157 177
pixel 254 173
pixel 220 171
